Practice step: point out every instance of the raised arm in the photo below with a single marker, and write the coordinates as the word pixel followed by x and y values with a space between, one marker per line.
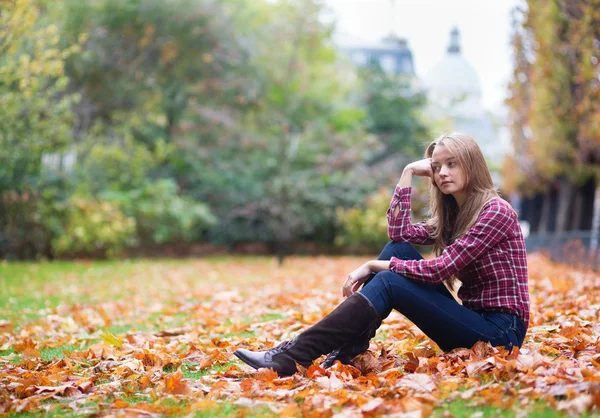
pixel 400 226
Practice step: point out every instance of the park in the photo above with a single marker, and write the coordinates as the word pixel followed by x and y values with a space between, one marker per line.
pixel 190 188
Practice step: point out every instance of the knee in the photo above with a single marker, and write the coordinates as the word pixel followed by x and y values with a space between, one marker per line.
pixel 384 278
pixel 398 246
pixel 402 250
pixel 392 283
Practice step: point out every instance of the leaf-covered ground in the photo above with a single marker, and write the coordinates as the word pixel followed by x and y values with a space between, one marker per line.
pixel 153 338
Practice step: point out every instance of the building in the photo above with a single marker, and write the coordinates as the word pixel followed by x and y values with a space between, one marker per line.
pixel 392 54
pixel 454 91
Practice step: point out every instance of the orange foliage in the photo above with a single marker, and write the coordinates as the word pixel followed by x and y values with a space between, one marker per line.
pixel 403 372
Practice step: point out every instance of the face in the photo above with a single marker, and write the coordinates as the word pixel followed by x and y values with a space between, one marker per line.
pixel 447 174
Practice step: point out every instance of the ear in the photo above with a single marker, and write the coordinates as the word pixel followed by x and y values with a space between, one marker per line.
pixel 429 150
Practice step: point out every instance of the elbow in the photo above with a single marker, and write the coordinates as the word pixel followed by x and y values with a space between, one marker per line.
pixel 393 236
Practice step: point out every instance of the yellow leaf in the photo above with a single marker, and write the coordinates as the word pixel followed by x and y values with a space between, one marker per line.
pixel 109 338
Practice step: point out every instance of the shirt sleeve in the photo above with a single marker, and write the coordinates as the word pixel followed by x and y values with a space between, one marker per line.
pixel 494 225
pixel 400 228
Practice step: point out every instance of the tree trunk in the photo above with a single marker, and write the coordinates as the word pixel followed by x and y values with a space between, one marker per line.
pixel 545 215
pixel 595 228
pixel 565 194
pixel 577 208
pixel 596 220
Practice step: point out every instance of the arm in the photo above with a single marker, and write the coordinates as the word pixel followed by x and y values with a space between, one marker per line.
pixel 400 226
pixel 493 226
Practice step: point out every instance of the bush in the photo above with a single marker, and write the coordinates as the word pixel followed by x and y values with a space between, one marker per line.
pixel 162 216
pixel 364 230
pixel 94 227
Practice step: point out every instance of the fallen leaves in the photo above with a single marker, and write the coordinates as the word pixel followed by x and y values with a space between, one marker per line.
pixel 181 331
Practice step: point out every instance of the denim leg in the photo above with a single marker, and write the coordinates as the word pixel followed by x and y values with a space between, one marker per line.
pixel 405 251
pixel 442 319
pixel 401 250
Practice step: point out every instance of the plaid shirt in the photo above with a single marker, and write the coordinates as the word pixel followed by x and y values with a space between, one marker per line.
pixel 490 259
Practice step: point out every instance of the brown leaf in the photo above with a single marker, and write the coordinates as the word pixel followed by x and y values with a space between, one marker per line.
pixel 31 353
pixel 119 404
pixel 6 326
pixel 174 385
pixel 374 407
pixel 266 375
pixel 62 390
pixel 24 345
pixel 366 363
pixel 172 332
pixel 418 381
pixel 413 362
pixel 329 382
pixel 205 363
pixel 315 370
pixel 475 368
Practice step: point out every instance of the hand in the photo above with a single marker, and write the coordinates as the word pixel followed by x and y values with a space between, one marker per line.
pixel 421 168
pixel 355 279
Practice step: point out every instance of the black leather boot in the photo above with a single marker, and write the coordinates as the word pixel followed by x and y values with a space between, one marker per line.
pixel 352 318
pixel 352 348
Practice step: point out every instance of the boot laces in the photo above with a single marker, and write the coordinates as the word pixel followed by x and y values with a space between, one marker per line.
pixel 280 348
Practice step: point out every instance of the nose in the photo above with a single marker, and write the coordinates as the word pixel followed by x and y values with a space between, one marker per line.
pixel 443 171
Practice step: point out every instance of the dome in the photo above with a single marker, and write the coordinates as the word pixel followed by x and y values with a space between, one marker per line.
pixel 453 82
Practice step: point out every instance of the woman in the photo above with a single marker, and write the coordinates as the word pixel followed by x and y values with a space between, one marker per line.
pixel 478 241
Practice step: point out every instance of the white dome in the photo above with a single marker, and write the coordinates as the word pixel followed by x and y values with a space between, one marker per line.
pixel 453 77
pixel 454 83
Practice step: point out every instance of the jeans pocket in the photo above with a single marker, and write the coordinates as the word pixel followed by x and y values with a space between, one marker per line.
pixel 505 325
pixel 502 321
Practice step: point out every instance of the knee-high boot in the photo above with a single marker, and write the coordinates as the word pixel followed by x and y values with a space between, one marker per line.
pixel 346 323
pixel 351 349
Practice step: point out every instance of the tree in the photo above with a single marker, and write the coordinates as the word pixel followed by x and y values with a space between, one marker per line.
pixel 392 108
pixel 555 102
pixel 289 160
pixel 35 116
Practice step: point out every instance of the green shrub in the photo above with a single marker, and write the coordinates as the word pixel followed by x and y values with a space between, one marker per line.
pixel 162 216
pixel 94 227
pixel 364 229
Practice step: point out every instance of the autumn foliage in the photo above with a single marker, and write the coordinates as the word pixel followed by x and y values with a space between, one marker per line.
pixel 180 323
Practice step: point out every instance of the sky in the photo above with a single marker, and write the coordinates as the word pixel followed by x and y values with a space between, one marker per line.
pixel 485 30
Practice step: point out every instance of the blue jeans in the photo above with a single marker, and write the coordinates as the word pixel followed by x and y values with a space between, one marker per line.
pixel 434 310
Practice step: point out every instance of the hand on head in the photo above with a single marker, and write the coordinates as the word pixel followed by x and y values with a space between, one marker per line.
pixel 421 168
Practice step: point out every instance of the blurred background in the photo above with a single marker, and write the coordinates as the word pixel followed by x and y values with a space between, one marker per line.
pixel 194 127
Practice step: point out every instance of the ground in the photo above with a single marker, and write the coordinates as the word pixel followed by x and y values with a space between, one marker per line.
pixel 149 338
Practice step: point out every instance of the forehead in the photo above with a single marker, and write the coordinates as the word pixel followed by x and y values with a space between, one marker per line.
pixel 441 153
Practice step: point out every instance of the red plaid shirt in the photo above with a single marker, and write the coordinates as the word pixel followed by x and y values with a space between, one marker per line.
pixel 490 259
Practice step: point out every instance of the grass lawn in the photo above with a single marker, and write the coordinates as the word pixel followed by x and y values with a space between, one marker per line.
pixel 147 337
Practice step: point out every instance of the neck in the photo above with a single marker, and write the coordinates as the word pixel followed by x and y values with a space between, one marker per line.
pixel 460 198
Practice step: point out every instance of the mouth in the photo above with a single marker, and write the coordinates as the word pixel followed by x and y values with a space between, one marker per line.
pixel 446 183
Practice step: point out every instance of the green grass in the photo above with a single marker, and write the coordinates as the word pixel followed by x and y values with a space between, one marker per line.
pixel 49 354
pixel 460 408
pixel 16 360
pixel 242 334
pixel 27 289
pixel 263 318
pixel 196 374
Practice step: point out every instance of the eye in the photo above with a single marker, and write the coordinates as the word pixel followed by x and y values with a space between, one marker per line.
pixel 451 164
pixel 436 167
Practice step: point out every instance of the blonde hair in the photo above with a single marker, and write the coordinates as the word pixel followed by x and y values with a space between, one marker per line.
pixel 446 222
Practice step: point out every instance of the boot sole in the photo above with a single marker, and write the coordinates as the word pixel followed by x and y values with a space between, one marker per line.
pixel 249 362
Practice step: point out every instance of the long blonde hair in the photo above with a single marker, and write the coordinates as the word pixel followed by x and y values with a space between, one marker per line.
pixel 446 222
